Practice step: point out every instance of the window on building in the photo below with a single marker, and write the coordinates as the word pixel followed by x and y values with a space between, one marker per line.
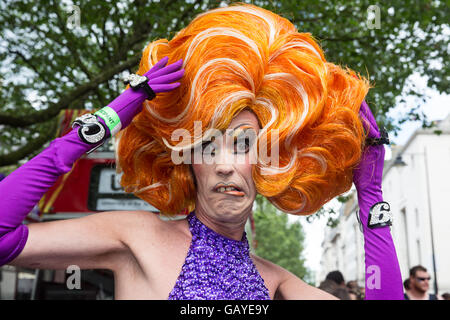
pixel 419 253
pixel 417 218
pixel 404 235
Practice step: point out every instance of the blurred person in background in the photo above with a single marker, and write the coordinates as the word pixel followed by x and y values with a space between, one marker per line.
pixel 330 286
pixel 337 277
pixel 354 290
pixel 406 286
pixel 419 284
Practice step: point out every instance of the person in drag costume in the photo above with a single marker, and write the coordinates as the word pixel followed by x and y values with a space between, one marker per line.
pixel 240 69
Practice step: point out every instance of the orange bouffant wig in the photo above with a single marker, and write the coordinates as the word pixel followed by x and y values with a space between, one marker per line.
pixel 238 57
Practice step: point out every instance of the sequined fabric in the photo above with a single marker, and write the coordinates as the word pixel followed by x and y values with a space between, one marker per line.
pixel 217 268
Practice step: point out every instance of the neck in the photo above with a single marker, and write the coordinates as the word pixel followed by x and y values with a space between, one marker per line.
pixel 417 294
pixel 232 228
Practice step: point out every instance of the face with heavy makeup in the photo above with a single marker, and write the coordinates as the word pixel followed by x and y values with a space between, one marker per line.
pixel 225 187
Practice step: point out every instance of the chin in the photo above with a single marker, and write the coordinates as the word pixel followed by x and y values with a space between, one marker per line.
pixel 227 209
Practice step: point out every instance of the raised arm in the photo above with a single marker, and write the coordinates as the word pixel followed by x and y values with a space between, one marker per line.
pixel 23 188
pixel 383 277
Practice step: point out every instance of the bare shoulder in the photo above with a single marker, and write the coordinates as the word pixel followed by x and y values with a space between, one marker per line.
pixel 268 267
pixel 288 285
pixel 273 269
pixel 272 274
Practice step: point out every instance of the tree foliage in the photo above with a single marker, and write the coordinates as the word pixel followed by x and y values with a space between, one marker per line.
pixel 47 65
pixel 278 240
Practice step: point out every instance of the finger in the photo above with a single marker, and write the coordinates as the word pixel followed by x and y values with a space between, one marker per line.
pixel 373 131
pixel 164 87
pixel 168 69
pixel 367 113
pixel 168 78
pixel 159 65
pixel 369 122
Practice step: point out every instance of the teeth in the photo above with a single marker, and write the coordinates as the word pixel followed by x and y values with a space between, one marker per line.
pixel 224 189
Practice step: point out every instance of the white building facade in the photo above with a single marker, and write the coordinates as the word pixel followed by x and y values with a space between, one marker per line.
pixel 416 183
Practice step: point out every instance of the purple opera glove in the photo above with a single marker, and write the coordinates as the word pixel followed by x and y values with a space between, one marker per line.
pixel 23 188
pixel 129 103
pixel 383 277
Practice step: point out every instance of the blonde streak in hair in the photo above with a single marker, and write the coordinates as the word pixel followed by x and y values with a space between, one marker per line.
pixel 273 116
pixel 318 157
pixel 194 89
pixel 265 169
pixel 293 81
pixel 306 73
pixel 269 20
pixel 201 72
pixel 202 68
pixel 143 148
pixel 267 103
pixel 153 53
pixel 294 44
pixel 323 72
pixel 244 72
pixel 233 97
pixel 139 151
pixel 151 186
pixel 294 211
pixel 272 170
pixel 147 106
pixel 210 32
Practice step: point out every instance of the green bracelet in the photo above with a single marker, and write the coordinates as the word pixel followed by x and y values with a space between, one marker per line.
pixel 111 119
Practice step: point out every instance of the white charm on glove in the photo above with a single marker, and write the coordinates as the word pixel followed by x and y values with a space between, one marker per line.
pixel 380 215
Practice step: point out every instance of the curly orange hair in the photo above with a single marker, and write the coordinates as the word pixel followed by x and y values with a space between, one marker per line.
pixel 237 57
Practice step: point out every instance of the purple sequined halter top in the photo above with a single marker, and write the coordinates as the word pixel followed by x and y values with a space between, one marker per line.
pixel 217 268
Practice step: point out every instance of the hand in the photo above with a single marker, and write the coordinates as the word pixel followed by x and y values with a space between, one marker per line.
pixel 129 103
pixel 367 176
pixel 161 77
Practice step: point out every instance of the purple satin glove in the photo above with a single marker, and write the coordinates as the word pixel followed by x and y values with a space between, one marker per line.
pixel 383 277
pixel 129 103
pixel 23 188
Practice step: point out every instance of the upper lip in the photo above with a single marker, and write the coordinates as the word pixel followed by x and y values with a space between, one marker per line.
pixel 224 185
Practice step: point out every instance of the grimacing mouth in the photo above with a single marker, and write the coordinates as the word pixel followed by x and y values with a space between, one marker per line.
pixel 221 187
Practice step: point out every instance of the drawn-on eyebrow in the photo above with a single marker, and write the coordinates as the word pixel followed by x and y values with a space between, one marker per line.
pixel 248 126
pixel 234 133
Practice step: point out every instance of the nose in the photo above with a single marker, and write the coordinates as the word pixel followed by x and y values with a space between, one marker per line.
pixel 224 169
pixel 224 164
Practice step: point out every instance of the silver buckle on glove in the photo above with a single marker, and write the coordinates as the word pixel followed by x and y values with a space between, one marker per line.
pixel 136 82
pixel 90 130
